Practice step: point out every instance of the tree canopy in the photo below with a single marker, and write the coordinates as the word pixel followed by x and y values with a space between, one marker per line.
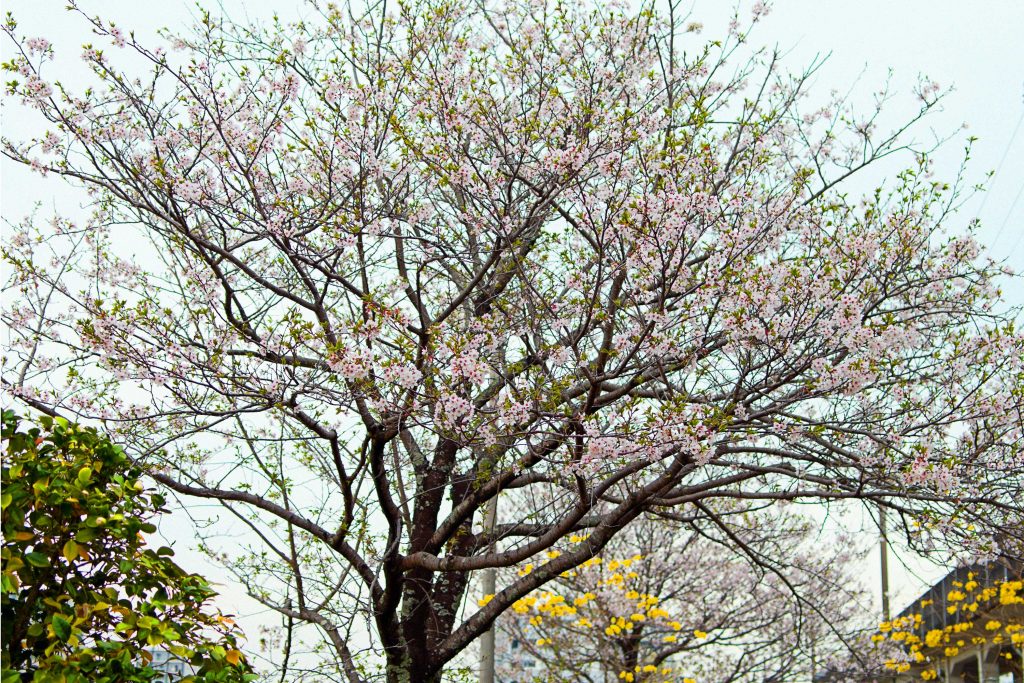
pixel 83 596
pixel 357 279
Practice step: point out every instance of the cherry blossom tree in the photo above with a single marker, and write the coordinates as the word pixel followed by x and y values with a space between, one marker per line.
pixel 359 278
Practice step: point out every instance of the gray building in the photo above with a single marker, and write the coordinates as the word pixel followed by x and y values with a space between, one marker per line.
pixel 974 662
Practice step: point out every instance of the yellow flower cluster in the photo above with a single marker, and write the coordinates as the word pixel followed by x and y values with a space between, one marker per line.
pixel 548 604
pixel 618 625
pixel 639 672
pixel 523 605
pixel 960 596
pixel 583 599
pixel 615 564
pixel 898 667
pixel 1008 593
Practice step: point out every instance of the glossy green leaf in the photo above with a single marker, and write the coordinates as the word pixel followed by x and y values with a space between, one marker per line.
pixel 61 627
pixel 70 551
pixel 37 559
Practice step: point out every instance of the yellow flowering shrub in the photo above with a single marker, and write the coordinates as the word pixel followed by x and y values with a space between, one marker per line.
pixel 1003 623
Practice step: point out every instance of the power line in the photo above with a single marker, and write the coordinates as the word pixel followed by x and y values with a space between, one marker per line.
pixel 998 169
pixel 1020 235
pixel 1007 219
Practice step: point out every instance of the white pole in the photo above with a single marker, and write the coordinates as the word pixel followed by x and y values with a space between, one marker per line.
pixel 490 575
pixel 884 548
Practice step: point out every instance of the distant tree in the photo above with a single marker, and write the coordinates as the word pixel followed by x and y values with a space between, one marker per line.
pixel 665 602
pixel 83 596
pixel 357 278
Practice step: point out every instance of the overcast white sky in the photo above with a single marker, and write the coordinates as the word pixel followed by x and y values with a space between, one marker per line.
pixel 974 46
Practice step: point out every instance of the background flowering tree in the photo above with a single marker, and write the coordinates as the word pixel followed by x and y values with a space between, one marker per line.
pixel 687 606
pixel 357 278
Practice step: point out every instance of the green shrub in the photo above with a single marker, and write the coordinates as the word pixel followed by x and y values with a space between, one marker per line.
pixel 83 595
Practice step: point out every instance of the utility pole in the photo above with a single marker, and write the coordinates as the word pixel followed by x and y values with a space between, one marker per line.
pixel 885 563
pixel 884 548
pixel 490 574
